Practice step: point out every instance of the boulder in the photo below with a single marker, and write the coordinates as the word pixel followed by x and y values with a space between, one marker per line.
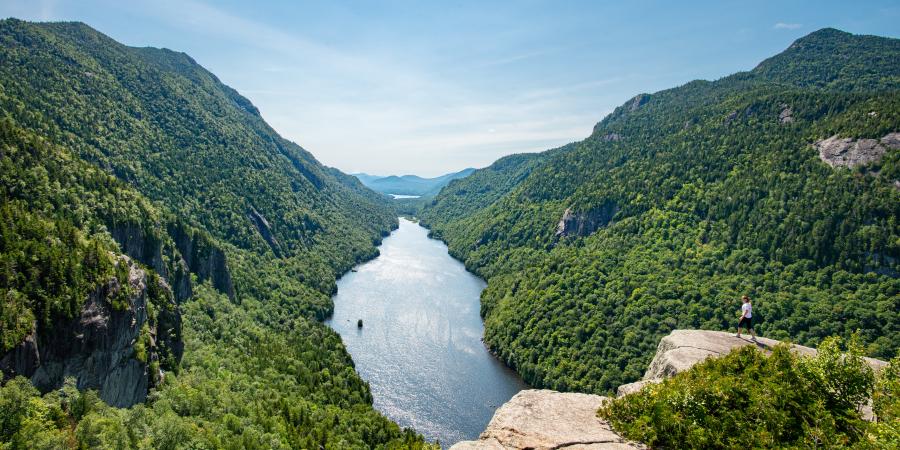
pixel 786 114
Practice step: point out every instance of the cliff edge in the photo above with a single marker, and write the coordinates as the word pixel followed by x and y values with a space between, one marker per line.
pixel 544 419
pixel 114 345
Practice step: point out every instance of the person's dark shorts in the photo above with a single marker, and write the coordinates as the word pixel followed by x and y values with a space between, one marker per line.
pixel 746 322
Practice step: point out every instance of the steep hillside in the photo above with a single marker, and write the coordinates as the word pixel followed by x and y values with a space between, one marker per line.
pixel 62 274
pixel 159 240
pixel 410 184
pixel 682 200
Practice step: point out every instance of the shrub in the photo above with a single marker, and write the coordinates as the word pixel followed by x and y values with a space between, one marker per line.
pixel 747 399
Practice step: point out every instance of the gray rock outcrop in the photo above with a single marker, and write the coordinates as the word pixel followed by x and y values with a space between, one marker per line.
pixel 612 137
pixel 151 250
pixel 114 349
pixel 585 223
pixel 682 349
pixel 848 152
pixel 730 117
pixel 637 101
pixel 786 115
pixel 265 230
pixel 113 344
pixel 203 258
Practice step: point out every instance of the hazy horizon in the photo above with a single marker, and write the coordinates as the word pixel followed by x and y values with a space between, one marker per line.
pixel 426 89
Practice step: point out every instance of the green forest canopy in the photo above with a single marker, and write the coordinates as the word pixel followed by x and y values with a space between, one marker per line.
pixel 95 135
pixel 683 200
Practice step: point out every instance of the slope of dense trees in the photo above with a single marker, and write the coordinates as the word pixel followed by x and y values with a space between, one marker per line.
pixel 159 121
pixel 55 247
pixel 689 198
pixel 95 136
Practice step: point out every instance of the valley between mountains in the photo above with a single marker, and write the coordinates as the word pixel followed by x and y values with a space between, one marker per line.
pixel 168 260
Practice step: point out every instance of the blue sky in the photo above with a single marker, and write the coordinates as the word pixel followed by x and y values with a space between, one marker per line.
pixel 399 87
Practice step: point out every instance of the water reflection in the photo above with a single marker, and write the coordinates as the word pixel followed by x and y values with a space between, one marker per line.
pixel 420 346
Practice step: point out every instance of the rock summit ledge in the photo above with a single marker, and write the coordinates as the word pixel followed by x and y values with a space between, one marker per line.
pixel 543 419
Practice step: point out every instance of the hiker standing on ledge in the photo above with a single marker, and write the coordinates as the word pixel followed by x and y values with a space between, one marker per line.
pixel 746 318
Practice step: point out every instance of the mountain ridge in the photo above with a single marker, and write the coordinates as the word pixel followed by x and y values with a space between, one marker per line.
pixel 681 201
pixel 410 184
pixel 112 153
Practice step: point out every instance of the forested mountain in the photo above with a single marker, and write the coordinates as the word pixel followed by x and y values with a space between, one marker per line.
pixel 683 200
pixel 159 240
pixel 410 184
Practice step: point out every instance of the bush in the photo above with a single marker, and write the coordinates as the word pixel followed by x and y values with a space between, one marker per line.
pixel 885 432
pixel 749 400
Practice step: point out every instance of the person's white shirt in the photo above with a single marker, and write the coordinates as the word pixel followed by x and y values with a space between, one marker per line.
pixel 747 310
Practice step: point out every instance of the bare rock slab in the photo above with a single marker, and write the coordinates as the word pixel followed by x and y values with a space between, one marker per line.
pixel 847 152
pixel 681 349
pixel 543 419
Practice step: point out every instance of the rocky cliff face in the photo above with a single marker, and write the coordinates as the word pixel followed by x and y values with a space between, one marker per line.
pixel 203 258
pixel 265 230
pixel 114 345
pixel 544 419
pixel 152 251
pixel 585 223
pixel 117 343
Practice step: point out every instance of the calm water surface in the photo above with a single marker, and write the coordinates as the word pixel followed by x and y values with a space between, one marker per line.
pixel 420 347
pixel 396 196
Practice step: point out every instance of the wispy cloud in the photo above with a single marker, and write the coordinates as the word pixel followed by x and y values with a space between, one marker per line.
pixel 787 26
pixel 201 17
pixel 412 117
pixel 33 9
pixel 376 100
pixel 559 91
pixel 515 58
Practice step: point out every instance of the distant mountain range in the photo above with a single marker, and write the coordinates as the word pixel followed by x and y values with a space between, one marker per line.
pixel 410 184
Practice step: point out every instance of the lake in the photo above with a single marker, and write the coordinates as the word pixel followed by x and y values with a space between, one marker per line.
pixel 420 346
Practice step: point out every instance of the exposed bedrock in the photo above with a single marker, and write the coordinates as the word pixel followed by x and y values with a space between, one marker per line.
pixel 112 345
